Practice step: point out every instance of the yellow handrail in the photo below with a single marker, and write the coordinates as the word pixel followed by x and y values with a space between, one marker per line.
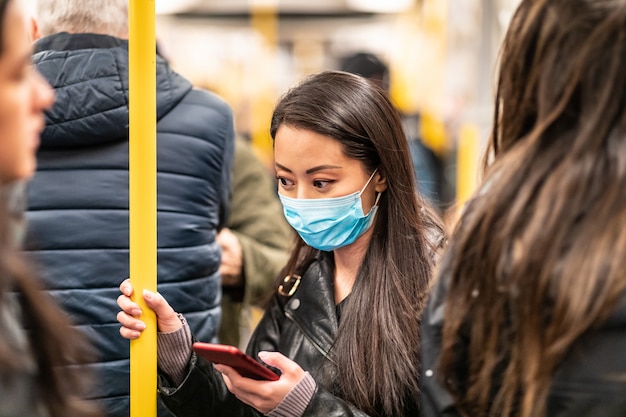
pixel 142 195
pixel 467 163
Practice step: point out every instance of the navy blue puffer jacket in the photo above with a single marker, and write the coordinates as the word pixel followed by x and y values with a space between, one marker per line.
pixel 78 199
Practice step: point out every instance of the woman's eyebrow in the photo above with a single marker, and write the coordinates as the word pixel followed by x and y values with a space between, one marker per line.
pixel 284 168
pixel 310 170
pixel 321 167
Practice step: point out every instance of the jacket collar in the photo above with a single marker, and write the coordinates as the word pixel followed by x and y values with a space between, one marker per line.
pixel 89 73
pixel 75 41
pixel 312 306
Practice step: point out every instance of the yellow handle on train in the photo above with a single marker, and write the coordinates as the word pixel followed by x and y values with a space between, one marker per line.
pixel 142 196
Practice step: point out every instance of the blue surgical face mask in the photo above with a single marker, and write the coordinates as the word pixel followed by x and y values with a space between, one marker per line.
pixel 329 223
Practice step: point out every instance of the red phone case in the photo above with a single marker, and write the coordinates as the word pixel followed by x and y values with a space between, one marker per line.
pixel 236 359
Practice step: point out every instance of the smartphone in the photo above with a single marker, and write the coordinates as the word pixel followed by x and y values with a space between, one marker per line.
pixel 236 359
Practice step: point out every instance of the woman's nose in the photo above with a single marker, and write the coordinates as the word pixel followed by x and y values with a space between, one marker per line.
pixel 302 193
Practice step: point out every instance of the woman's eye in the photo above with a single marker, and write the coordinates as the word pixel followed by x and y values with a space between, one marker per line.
pixel 284 182
pixel 320 183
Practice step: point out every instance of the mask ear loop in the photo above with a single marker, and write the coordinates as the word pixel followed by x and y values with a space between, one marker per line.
pixel 365 186
pixel 368 182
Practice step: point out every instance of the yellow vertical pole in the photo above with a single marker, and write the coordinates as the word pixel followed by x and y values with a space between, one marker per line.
pixel 264 20
pixel 467 163
pixel 142 191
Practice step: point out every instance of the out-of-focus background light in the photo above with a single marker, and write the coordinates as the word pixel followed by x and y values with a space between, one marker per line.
pixel 173 6
pixel 442 56
pixel 381 6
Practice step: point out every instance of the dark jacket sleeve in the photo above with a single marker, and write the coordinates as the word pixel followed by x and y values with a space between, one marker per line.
pixel 203 393
pixel 591 381
pixel 325 404
pixel 435 401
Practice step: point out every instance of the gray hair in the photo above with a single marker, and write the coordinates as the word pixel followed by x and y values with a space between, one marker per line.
pixel 107 17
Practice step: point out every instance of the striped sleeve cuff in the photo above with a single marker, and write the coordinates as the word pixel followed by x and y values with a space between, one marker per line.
pixel 175 351
pixel 297 400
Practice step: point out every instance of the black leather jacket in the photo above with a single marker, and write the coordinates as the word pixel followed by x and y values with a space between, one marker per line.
pixel 303 327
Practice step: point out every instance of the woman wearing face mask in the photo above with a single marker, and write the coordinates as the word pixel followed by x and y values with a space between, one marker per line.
pixel 342 326
pixel 37 346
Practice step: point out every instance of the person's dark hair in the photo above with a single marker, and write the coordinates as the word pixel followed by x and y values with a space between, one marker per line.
pixel 540 257
pixel 56 348
pixel 3 11
pixel 369 66
pixel 377 348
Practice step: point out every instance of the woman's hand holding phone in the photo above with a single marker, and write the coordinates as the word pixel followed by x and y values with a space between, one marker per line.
pixel 263 395
pixel 231 356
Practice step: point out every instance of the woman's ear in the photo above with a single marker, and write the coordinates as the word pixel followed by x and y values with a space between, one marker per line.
pixel 380 182
pixel 34 30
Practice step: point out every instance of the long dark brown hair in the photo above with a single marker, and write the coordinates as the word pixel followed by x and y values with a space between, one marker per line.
pixel 58 351
pixel 539 258
pixel 377 348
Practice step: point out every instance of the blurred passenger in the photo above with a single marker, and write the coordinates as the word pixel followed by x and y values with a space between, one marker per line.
pixel 427 166
pixel 255 245
pixel 528 317
pixel 343 325
pixel 37 344
pixel 78 199
pixel 369 66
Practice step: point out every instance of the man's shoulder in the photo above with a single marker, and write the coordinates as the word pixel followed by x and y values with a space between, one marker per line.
pixel 201 115
pixel 202 108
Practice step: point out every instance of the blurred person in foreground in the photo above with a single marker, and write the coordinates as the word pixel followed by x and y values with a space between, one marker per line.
pixel 343 324
pixel 78 200
pixel 528 317
pixel 37 344
pixel 255 245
